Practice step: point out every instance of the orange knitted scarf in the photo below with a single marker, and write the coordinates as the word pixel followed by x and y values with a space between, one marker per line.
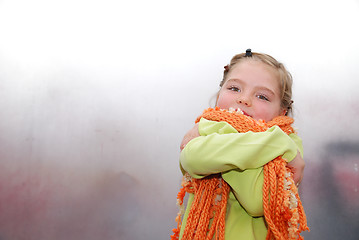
pixel 283 210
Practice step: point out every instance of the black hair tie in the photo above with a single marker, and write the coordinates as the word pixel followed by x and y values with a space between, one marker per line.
pixel 248 52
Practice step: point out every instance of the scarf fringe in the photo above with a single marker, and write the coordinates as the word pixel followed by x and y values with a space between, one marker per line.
pixel 283 209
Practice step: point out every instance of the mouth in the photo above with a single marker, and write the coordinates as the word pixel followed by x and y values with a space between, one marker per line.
pixel 238 110
pixel 246 114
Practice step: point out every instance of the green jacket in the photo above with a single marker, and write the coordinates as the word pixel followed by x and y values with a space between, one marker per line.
pixel 240 158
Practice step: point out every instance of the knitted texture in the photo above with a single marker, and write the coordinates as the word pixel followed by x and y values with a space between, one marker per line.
pixel 283 210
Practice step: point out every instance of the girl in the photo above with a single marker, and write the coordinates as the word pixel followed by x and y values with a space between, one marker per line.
pixel 259 87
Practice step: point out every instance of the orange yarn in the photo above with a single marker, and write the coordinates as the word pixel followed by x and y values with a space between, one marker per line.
pixel 283 210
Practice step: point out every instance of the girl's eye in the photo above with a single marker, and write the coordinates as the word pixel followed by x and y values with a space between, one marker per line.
pixel 262 97
pixel 232 88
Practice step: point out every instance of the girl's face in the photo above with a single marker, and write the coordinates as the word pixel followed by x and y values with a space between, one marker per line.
pixel 253 87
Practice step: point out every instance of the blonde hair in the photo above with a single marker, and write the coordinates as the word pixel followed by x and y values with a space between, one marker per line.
pixel 285 78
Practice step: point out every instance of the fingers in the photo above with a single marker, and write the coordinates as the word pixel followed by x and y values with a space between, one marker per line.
pixel 299 181
pixel 191 134
pixel 188 137
pixel 183 144
pixel 297 166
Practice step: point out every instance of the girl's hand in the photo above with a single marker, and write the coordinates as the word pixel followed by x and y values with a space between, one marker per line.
pixel 193 133
pixel 297 165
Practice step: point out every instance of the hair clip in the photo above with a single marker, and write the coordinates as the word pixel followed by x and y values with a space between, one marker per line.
pixel 290 105
pixel 289 108
pixel 226 68
pixel 248 53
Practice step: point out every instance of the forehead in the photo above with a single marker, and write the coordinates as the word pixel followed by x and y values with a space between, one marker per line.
pixel 255 73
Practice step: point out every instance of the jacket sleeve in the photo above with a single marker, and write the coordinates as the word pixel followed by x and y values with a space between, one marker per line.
pixel 220 148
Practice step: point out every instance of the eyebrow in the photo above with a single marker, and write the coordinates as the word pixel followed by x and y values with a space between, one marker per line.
pixel 256 87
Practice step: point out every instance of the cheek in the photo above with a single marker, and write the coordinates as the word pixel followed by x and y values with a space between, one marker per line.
pixel 262 110
pixel 267 112
pixel 223 101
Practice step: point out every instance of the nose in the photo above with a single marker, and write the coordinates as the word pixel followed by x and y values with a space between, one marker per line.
pixel 243 99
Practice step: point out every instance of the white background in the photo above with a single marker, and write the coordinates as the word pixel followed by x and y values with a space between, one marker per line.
pixel 96 96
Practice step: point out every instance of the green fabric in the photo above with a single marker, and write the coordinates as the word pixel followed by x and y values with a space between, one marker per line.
pixel 240 158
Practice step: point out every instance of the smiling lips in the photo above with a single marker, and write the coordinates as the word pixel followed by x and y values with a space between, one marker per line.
pixel 238 110
pixel 246 114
